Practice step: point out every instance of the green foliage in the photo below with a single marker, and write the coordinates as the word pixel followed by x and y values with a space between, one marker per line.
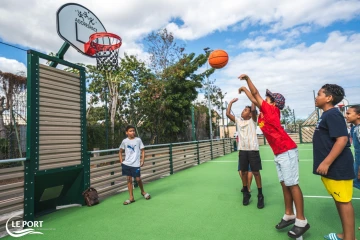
pixel 4 146
pixel 287 116
pixel 155 99
pixel 95 115
pixel 166 102
pixel 164 50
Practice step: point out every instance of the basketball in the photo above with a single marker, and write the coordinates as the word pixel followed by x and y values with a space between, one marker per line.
pixel 218 59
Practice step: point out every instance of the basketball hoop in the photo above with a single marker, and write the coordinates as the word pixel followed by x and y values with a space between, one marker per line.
pixel 105 47
pixel 341 107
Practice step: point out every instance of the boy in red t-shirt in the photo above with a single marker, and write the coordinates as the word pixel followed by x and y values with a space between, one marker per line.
pixel 286 156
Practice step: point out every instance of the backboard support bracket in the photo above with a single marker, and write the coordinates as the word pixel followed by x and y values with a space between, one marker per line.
pixel 60 53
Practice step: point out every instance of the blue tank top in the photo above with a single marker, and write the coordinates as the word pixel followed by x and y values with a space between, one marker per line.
pixel 355 133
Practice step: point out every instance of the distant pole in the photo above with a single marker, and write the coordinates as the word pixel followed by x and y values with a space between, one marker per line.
pixel 314 98
pixel 193 123
pixel 208 94
pixel 106 119
pixel 222 113
pixel 294 119
pixel 227 121
pixel 317 111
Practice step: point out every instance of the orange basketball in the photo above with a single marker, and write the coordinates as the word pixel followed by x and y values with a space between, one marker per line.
pixel 218 59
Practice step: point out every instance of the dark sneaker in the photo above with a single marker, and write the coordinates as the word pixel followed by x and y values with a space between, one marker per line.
pixel 283 223
pixel 246 198
pixel 260 203
pixel 297 232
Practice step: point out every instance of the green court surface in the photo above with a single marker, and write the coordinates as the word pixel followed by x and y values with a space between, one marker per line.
pixel 203 202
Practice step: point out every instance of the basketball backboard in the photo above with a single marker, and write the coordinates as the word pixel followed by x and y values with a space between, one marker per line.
pixel 342 106
pixel 75 24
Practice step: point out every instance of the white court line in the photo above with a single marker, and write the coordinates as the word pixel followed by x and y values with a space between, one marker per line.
pixel 325 197
pixel 267 160
pixel 310 149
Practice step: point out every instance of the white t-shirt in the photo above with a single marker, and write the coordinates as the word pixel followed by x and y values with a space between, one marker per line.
pixel 132 151
pixel 248 140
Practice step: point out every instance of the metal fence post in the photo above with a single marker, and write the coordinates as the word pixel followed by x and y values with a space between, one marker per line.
pixel 32 133
pixel 87 174
pixel 300 133
pixel 171 160
pixel 197 151
pixel 223 141
pixel 211 149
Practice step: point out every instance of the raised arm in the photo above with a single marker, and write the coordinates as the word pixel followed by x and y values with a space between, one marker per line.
pixel 253 112
pixel 228 110
pixel 249 95
pixel 253 89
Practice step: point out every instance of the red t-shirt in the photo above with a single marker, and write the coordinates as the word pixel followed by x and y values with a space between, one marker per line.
pixel 269 123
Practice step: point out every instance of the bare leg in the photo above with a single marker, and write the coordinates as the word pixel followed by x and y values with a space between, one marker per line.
pixel 249 180
pixel 141 186
pixel 288 199
pixel 257 177
pixel 130 187
pixel 298 199
pixel 244 178
pixel 346 213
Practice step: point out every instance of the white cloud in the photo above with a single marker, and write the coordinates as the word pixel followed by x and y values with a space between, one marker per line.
pixel 32 23
pixel 296 72
pixel 11 65
pixel 261 43
pixel 320 12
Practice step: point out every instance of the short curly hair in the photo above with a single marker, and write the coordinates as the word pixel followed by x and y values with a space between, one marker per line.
pixel 335 91
pixel 356 108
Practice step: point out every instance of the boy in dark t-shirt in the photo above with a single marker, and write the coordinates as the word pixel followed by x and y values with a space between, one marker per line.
pixel 333 159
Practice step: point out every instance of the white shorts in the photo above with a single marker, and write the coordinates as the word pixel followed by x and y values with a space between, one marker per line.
pixel 287 166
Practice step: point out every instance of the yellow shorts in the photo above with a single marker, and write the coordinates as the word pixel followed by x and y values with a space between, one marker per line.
pixel 340 190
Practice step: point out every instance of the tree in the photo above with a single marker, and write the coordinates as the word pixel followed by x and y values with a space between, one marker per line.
pixel 170 95
pixel 217 98
pixel 116 86
pixel 201 115
pixel 287 116
pixel 95 115
pixel 164 51
pixel 12 85
pixel 180 92
pixel 166 105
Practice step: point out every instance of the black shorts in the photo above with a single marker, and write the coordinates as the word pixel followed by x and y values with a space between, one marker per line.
pixel 130 171
pixel 251 158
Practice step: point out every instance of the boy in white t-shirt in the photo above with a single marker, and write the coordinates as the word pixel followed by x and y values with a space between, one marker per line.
pixel 248 150
pixel 133 146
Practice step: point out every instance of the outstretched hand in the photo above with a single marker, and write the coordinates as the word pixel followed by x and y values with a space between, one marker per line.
pixel 242 89
pixel 243 77
pixel 234 100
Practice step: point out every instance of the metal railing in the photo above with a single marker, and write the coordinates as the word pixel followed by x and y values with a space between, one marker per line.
pixel 160 161
pixel 105 170
pixel 11 190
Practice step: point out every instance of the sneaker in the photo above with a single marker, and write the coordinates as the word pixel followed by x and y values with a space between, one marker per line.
pixel 260 203
pixel 283 223
pixel 297 232
pixel 246 198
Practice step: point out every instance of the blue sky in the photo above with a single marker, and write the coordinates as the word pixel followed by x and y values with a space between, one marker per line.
pixel 286 46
